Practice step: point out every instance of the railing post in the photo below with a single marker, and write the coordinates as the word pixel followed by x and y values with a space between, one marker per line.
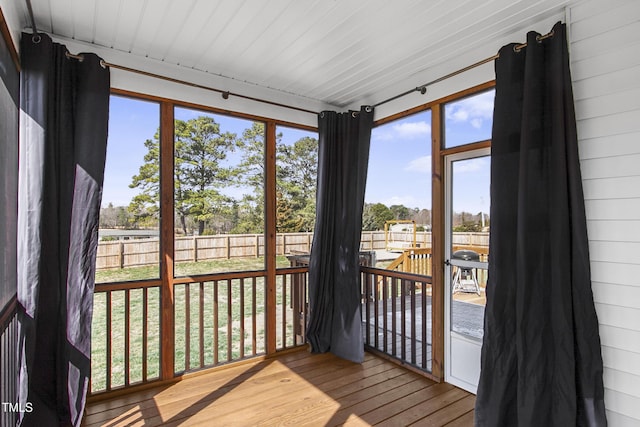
pixel 437 243
pixel 167 239
pixel 270 235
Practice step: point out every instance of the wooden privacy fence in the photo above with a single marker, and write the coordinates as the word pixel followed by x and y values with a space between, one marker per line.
pixel 141 252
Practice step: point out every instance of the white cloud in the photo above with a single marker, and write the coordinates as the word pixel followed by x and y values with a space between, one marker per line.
pixel 420 164
pixel 472 165
pixel 412 129
pixel 474 110
pixel 405 130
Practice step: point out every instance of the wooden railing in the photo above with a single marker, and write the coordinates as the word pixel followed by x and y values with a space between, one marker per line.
pixel 417 261
pixel 222 318
pixel 8 362
pixel 125 341
pixel 396 315
pixel 218 319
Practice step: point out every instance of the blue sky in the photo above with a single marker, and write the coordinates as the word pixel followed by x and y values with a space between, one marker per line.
pixel 400 158
pixel 132 122
pixel 399 164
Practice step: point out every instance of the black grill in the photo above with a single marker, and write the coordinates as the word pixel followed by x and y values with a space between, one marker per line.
pixel 466 255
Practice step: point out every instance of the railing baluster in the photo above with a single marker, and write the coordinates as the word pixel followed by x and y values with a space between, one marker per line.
pixel 187 327
pixel 254 326
pixel 109 338
pixel 127 338
pixel 376 311
pixel 229 321
pixel 403 318
pixel 242 318
pixel 284 310
pixel 305 306
pixel 201 325
pixel 414 340
pixel 394 311
pixel 365 277
pixel 425 321
pixel 145 332
pixel 216 308
pixel 385 297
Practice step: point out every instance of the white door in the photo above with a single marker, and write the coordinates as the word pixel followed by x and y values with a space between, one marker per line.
pixel 467 222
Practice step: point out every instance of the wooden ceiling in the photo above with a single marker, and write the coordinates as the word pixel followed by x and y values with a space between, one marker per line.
pixel 339 52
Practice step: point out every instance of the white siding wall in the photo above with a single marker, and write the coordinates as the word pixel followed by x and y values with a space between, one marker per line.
pixel 605 62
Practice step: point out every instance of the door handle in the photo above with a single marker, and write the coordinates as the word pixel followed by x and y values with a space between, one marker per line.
pixel 447 262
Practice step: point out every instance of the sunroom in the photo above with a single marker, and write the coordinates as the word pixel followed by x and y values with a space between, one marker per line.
pixel 293 223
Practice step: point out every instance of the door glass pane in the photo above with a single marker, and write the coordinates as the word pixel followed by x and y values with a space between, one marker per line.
pixel 470 224
pixel 468 120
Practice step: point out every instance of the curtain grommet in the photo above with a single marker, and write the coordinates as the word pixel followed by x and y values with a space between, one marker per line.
pixel 36 38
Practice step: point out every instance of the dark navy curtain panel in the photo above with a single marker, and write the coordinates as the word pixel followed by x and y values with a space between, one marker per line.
pixel 541 357
pixel 335 322
pixel 63 136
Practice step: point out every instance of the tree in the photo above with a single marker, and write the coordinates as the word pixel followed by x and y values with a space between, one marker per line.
pixel 296 180
pixel 108 216
pixel 200 149
pixel 374 215
pixel 145 206
pixel 423 217
pixel 250 173
pixel 296 170
pixel 400 212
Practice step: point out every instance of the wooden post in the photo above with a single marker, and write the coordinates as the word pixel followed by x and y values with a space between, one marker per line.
pixel 270 234
pixel 195 249
pixel 167 241
pixel 121 253
pixel 437 243
pixel 257 236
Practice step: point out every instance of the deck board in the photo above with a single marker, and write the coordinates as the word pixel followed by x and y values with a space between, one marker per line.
pixel 296 388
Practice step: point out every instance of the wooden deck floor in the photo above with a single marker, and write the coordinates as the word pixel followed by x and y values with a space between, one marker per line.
pixel 297 388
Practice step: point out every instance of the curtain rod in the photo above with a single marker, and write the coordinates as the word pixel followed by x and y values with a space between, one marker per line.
pixel 225 93
pixel 35 35
pixel 423 88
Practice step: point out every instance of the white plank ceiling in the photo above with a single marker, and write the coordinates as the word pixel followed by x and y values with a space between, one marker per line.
pixel 338 52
